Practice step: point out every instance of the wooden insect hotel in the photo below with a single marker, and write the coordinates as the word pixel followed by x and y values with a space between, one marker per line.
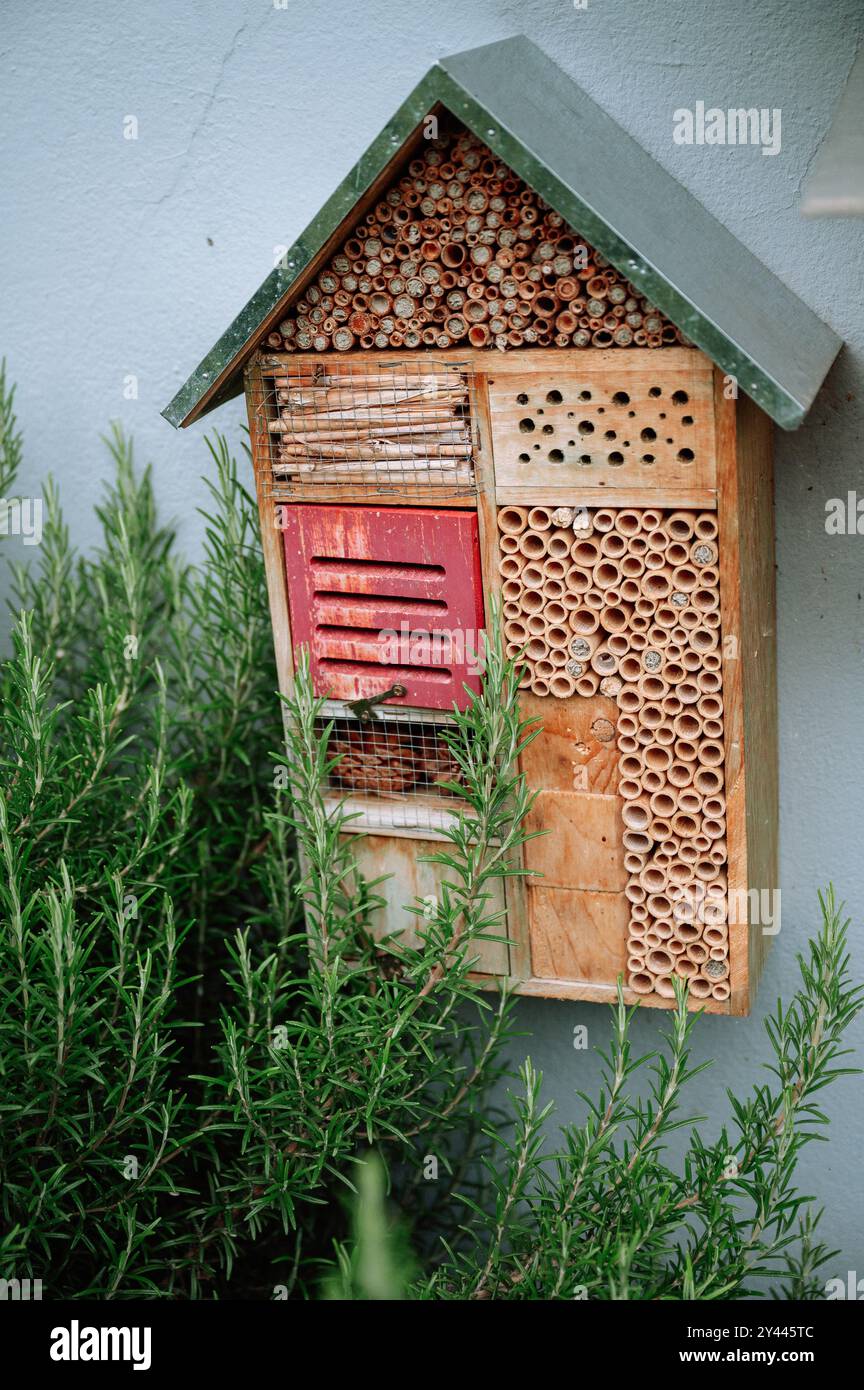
pixel 511 354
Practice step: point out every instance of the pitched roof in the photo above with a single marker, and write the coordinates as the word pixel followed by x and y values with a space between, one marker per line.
pixel 538 121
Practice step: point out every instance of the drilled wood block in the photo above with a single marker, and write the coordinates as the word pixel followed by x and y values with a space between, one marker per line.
pixel 577 935
pixel 593 425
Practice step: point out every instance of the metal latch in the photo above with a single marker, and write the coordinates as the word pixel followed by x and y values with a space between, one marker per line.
pixel 364 710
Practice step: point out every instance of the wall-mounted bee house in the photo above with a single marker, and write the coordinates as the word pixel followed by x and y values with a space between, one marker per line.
pixel 471 381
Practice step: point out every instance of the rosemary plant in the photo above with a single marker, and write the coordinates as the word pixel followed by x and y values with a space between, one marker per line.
pixel 194 1084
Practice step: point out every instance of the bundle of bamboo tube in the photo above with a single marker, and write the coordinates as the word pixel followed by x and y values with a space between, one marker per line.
pixel 461 250
pixel 629 605
pixel 411 422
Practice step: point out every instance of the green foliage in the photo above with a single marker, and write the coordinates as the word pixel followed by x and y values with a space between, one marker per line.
pixel 194 1089
pixel 608 1217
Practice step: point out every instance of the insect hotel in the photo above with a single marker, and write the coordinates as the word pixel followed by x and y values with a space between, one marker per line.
pixel 511 354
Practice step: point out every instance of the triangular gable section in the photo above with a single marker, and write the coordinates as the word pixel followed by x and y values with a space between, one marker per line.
pixel 537 121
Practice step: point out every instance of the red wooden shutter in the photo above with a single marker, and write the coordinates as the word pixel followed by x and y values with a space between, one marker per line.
pixel 384 596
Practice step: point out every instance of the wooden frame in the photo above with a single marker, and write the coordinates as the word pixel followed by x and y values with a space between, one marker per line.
pixel 741 472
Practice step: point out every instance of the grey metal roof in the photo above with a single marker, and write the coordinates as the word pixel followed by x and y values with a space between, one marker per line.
pixel 536 119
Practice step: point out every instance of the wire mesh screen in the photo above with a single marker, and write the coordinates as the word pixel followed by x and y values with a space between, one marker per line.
pixel 399 767
pixel 350 425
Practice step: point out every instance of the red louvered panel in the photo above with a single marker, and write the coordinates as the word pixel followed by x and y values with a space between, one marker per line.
pixel 384 596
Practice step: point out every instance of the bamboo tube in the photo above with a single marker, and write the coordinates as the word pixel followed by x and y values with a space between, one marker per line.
pixel 532 600
pixel 630 591
pixel 709 682
pixel 614 619
pixel 714 969
pixel 605 574
pixel 585 553
pixel 556 636
pixel 705 527
pixel 711 753
pixel 629 668
pixel 629 699
pixel 584 621
pixel 556 615
pixel 532 544
pixel 562 686
pixel 512 520
pixel 516 632
pixel 587 684
pixel 510 567
pixel 637 842
pixel 613 545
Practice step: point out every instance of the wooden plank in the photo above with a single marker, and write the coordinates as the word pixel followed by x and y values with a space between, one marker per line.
pixel 576 750
pixel 410 877
pixel 619 425
pixel 757 652
pixel 729 523
pixel 417 495
pixel 484 468
pixel 582 847
pixel 529 495
pixel 493 362
pixel 578 935
pixel 593 992
pixel 271 536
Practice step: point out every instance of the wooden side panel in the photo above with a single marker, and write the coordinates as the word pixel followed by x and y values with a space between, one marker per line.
pixel 758 674
pixel 611 426
pixel 271 536
pixel 411 878
pixel 747 590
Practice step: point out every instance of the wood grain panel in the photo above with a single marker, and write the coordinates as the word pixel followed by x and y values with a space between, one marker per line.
pixel 576 749
pixel 582 848
pixel 409 878
pixel 577 935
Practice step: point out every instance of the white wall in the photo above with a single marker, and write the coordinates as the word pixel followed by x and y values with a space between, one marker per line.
pixel 130 257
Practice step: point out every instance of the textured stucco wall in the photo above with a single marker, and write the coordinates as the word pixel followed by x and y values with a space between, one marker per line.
pixel 130 257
